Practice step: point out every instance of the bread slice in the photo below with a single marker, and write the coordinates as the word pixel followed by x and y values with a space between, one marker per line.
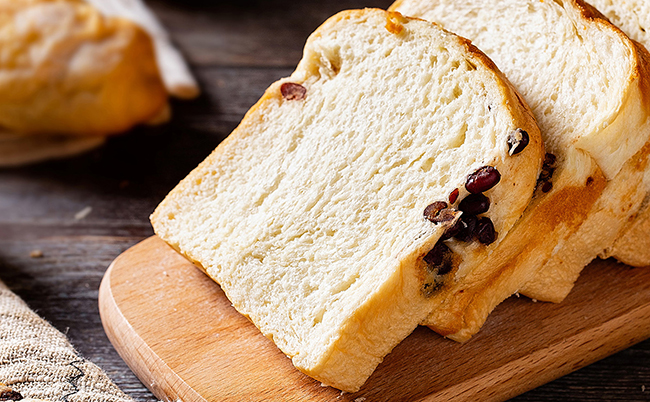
pixel 633 246
pixel 621 209
pixel 584 80
pixel 620 224
pixel 66 69
pixel 310 214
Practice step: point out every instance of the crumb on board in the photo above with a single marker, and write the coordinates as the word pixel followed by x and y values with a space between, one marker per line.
pixel 36 254
pixel 83 213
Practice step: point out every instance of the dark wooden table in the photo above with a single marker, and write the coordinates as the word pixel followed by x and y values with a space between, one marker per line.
pixel 236 48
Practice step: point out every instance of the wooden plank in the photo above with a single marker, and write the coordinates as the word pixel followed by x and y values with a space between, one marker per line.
pixel 177 331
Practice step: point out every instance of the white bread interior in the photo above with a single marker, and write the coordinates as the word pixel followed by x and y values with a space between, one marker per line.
pixel 310 214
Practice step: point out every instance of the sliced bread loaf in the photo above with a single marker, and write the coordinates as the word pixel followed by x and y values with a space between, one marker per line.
pixel 320 215
pixel 584 81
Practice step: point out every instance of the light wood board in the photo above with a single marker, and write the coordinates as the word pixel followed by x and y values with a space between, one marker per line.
pixel 180 335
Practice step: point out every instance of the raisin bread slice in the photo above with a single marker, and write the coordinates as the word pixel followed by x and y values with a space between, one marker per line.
pixel 311 214
pixel 585 82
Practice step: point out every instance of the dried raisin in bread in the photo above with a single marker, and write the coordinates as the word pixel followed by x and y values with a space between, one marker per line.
pixel 66 69
pixel 310 215
pixel 585 82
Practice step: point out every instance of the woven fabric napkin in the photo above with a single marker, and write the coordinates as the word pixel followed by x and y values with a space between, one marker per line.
pixel 38 361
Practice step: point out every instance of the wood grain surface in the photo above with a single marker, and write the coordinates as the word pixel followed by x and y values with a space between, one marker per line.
pixel 179 333
pixel 236 48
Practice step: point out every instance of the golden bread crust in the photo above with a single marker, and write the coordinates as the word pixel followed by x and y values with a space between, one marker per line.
pixel 607 220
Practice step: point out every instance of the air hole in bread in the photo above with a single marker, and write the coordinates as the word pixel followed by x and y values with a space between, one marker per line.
pixel 459 139
pixel 330 61
pixel 457 92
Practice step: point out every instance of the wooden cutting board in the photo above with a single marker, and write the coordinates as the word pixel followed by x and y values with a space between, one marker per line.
pixel 182 338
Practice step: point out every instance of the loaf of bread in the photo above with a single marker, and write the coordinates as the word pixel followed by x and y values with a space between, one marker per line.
pixel 585 82
pixel 321 216
pixel 67 69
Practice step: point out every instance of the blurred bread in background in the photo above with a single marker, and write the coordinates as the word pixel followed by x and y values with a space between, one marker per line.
pixel 69 71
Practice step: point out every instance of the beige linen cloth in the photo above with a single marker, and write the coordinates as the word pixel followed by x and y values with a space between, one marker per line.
pixel 38 361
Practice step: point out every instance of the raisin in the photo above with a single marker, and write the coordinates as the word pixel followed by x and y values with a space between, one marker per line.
pixel 549 159
pixel 469 226
pixel 437 254
pixel 432 211
pixel 453 196
pixel 517 141
pixel 293 91
pixel 544 181
pixel 439 259
pixel 485 232
pixel 474 204
pixel 482 180
pixel 453 230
